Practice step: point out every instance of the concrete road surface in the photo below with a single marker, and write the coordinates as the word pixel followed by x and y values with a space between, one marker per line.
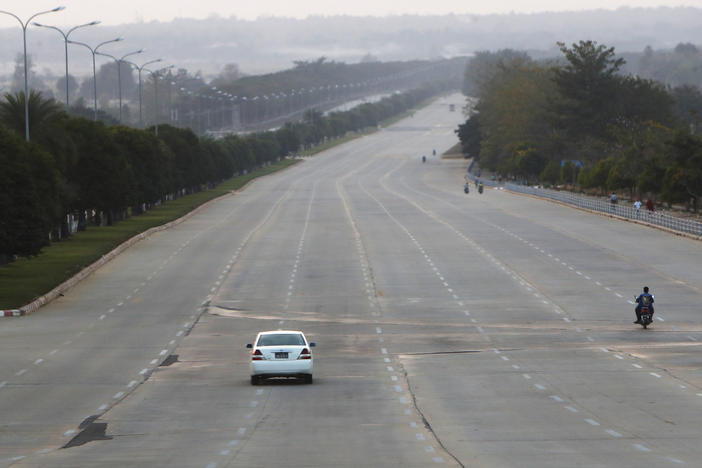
pixel 473 330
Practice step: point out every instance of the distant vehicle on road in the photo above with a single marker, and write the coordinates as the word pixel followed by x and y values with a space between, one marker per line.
pixel 452 107
pixel 281 353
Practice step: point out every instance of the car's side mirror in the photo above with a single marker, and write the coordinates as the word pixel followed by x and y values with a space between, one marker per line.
pixel 249 345
pixel 313 344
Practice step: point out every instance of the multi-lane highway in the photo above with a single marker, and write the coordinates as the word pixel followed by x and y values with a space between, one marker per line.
pixel 487 330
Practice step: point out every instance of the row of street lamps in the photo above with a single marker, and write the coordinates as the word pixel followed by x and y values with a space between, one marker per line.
pixel 93 50
pixel 215 95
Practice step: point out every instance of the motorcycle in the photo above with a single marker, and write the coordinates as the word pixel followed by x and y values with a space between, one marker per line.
pixel 646 314
pixel 466 188
pixel 480 188
pixel 424 159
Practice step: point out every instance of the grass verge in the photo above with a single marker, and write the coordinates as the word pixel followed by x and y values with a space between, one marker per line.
pixel 28 278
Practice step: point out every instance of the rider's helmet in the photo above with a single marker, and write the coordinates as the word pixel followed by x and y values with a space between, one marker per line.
pixel 645 289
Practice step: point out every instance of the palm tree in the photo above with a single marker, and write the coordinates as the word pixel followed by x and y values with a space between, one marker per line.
pixel 41 111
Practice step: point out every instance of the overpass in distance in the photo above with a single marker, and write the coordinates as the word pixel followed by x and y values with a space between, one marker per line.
pixel 475 330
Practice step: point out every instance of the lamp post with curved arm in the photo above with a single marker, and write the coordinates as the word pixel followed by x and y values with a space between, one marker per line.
pixel 65 42
pixel 94 51
pixel 119 74
pixel 26 80
pixel 139 68
pixel 155 75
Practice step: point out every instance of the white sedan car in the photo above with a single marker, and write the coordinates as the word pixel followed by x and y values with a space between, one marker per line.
pixel 281 353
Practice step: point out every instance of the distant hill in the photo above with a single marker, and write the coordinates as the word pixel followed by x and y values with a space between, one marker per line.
pixel 271 44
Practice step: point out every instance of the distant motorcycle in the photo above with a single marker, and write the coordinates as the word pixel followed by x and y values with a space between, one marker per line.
pixel 480 188
pixel 424 159
pixel 466 188
pixel 646 314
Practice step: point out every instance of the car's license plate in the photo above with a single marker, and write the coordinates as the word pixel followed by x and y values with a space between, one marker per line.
pixel 281 355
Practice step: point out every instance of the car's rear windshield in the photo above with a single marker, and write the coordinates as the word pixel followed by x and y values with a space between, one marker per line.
pixel 281 339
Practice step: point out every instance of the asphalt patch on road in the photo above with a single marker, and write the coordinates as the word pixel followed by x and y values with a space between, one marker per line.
pixel 172 358
pixel 91 431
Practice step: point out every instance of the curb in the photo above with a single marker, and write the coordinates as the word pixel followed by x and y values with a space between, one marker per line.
pixel 11 313
pixel 87 271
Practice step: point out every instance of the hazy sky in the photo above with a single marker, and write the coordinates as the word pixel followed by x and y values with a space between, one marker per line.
pixel 122 11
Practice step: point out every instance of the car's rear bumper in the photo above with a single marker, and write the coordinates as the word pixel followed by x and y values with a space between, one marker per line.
pixel 281 368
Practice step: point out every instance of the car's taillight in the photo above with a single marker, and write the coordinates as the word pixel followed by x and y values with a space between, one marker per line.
pixel 257 355
pixel 305 354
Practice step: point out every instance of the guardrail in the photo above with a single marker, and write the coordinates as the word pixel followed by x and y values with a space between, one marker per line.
pixel 673 223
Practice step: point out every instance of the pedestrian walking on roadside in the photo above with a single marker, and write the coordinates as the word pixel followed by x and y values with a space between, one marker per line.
pixel 637 205
pixel 649 206
pixel 613 201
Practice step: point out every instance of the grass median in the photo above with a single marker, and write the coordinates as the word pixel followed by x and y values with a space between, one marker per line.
pixel 28 278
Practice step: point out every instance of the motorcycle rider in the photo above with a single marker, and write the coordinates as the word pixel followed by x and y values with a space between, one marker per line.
pixel 644 299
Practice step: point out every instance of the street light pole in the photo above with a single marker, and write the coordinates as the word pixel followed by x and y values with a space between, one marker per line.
pixel 94 51
pixel 26 80
pixel 119 75
pixel 155 75
pixel 65 42
pixel 139 68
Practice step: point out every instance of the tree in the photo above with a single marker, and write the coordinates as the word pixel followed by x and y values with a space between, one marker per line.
pixel 469 134
pixel 41 111
pixel 587 86
pixel 27 199
pixel 683 177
